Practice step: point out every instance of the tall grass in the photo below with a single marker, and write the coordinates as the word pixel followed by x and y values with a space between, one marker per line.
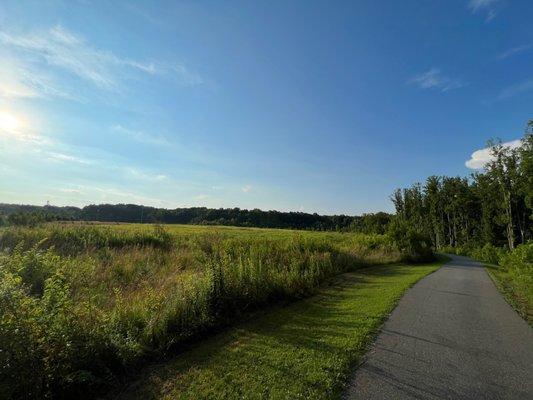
pixel 515 276
pixel 80 306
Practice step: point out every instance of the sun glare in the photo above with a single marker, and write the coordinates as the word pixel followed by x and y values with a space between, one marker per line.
pixel 9 122
pixel 12 125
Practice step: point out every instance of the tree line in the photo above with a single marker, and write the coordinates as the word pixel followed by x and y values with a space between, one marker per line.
pixel 13 214
pixel 492 207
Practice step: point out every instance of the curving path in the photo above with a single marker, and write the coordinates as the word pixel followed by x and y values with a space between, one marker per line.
pixel 452 336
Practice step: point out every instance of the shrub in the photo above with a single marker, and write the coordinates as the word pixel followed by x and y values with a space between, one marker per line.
pixel 414 245
pixel 519 265
pixel 489 254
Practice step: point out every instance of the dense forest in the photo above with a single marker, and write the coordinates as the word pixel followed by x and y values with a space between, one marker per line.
pixel 12 214
pixel 493 207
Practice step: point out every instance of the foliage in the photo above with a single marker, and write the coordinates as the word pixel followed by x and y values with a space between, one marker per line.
pixel 413 244
pixel 24 215
pixel 492 208
pixel 488 254
pixel 80 306
pixel 304 351
pixel 515 278
pixel 488 217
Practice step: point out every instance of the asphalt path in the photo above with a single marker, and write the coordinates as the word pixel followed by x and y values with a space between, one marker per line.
pixel 452 336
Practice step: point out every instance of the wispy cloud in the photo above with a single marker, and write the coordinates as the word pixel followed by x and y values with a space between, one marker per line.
pixel 61 48
pixel 140 136
pixel 487 7
pixel 246 188
pixel 514 51
pixel 434 79
pixel 17 81
pixel 70 190
pixel 106 165
pixel 62 157
pixel 14 132
pixel 480 158
pixel 28 144
pixel 99 194
pixel 184 75
pixel 516 89
pixel 136 173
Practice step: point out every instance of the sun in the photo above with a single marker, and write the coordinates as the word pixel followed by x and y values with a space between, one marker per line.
pixel 9 122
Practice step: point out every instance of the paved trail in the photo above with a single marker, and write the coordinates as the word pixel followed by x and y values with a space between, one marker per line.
pixel 452 336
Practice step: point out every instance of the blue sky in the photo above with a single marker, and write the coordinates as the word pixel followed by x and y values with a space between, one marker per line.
pixel 316 106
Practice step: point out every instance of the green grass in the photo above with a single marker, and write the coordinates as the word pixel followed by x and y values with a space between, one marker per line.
pixel 81 306
pixel 520 298
pixel 514 278
pixel 303 351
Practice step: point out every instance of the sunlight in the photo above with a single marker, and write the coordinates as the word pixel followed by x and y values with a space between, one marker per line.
pixel 9 122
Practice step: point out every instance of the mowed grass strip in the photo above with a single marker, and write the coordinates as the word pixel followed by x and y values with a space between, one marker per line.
pixel 303 351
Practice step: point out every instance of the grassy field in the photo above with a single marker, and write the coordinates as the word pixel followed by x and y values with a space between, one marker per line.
pixel 82 306
pixel 303 351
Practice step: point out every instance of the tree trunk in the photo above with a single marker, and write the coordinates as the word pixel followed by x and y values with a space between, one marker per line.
pixel 450 236
pixel 510 225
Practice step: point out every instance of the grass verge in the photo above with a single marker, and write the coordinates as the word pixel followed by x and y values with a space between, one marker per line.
pixel 303 351
pixel 514 296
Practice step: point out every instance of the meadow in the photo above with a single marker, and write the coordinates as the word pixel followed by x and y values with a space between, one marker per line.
pixel 306 350
pixel 84 305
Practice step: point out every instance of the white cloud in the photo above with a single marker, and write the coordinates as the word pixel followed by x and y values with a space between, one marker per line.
pixel 12 84
pixel 62 157
pixel 46 149
pixel 140 136
pixel 515 50
pixel 145 176
pixel 64 49
pixel 433 79
pixel 20 136
pixel 488 7
pixel 480 158
pixel 17 81
pixel 516 89
pixel 100 194
pixel 246 188
pixel 61 48
pixel 74 191
pixel 185 76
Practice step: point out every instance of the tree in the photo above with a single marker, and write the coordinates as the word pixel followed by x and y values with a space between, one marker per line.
pixel 526 157
pixel 493 207
pixel 503 169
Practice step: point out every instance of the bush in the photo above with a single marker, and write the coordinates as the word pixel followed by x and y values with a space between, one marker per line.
pixel 519 266
pixel 515 276
pixel 489 254
pixel 414 246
